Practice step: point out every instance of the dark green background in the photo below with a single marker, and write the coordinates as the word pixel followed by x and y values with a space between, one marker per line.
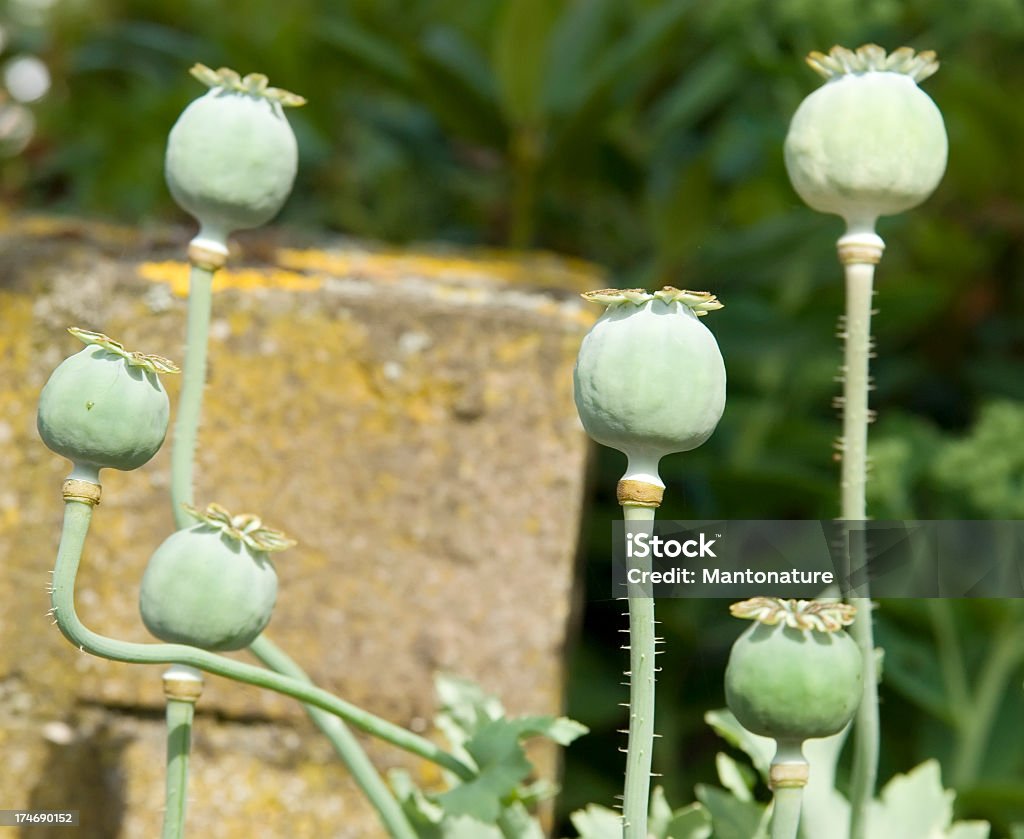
pixel 646 136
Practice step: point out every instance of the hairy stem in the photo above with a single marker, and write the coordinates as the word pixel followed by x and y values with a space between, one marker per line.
pixel 636 795
pixel 77 517
pixel 345 744
pixel 190 402
pixel 856 383
pixel 179 741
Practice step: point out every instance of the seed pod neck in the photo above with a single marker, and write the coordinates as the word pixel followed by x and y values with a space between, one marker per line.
pixel 86 472
pixel 183 683
pixel 642 466
pixel 860 245
pixel 209 249
pixel 789 768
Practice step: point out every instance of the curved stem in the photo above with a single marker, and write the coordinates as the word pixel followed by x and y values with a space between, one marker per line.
pixel 786 813
pixel 345 744
pixel 641 697
pixel 190 402
pixel 77 516
pixel 179 740
pixel 856 383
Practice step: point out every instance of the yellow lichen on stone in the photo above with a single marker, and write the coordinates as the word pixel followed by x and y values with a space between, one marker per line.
pixel 176 275
pixel 46 226
pixel 516 349
pixel 535 268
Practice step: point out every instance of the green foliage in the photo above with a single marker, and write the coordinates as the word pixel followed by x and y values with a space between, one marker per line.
pixel 693 822
pixel 915 804
pixel 911 806
pixel 494 802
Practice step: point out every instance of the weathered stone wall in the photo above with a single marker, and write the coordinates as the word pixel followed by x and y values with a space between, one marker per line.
pixel 406 416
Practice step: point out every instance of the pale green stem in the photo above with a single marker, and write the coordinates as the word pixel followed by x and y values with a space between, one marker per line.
pixel 636 795
pixel 345 744
pixel 179 741
pixel 186 429
pixel 190 402
pixel 857 330
pixel 788 774
pixel 77 516
pixel 977 719
pixel 786 813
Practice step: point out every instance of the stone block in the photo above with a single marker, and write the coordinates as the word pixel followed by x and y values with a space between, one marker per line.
pixel 406 416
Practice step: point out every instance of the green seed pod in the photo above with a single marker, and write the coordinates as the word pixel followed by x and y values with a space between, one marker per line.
pixel 795 674
pixel 649 377
pixel 105 407
pixel 869 142
pixel 212 585
pixel 232 156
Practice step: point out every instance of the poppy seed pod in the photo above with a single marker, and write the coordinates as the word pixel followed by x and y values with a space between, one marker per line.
pixel 212 585
pixel 869 142
pixel 649 377
pixel 795 674
pixel 105 407
pixel 231 156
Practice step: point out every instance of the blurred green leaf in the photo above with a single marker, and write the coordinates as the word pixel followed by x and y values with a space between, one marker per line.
pixel 596 822
pixel 456 83
pixel 378 55
pixel 579 35
pixel 969 830
pixel 707 84
pixel 692 822
pixel 735 777
pixel 733 819
pixel 759 749
pixel 914 806
pixel 618 69
pixel 521 47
